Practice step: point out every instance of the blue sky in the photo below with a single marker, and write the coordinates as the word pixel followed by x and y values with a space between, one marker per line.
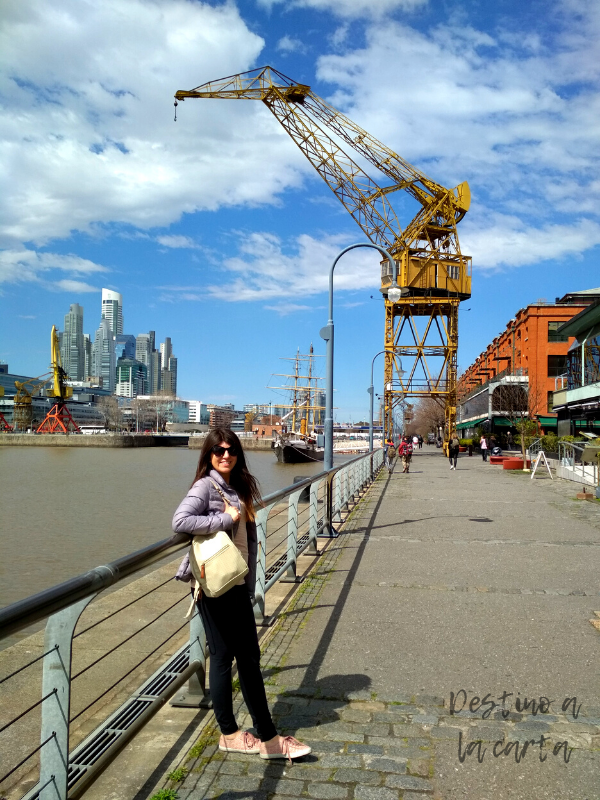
pixel 220 234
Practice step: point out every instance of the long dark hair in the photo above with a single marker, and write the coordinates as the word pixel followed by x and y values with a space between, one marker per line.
pixel 240 479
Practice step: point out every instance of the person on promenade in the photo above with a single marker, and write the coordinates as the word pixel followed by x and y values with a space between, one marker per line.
pixel 222 497
pixel 391 457
pixel 453 449
pixel 406 453
pixel 484 447
pixel 420 442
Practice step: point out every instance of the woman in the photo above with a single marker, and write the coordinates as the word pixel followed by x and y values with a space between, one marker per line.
pixel 483 445
pixel 222 497
pixel 453 449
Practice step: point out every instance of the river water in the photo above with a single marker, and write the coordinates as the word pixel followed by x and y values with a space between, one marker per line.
pixel 64 510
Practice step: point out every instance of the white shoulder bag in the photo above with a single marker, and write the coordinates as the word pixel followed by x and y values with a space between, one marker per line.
pixel 217 564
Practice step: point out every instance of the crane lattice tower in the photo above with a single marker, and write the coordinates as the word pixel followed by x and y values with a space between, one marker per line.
pixel 434 275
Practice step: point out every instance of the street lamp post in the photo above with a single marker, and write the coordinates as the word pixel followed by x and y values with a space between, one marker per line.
pixel 372 392
pixel 326 333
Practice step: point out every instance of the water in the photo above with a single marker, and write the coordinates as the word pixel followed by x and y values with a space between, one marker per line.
pixel 65 510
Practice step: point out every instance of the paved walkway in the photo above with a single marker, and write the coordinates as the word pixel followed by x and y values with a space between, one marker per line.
pixel 477 580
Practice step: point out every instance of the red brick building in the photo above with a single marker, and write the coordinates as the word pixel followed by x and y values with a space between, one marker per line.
pixel 530 352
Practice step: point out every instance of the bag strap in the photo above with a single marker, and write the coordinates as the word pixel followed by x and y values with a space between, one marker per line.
pixel 227 502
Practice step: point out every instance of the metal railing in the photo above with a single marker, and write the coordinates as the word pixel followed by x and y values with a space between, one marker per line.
pixel 572 466
pixel 288 524
pixel 534 448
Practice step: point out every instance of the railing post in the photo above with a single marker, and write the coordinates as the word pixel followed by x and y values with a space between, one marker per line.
pixel 196 694
pixel 262 517
pixel 292 539
pixel 56 710
pixel 329 531
pixel 313 521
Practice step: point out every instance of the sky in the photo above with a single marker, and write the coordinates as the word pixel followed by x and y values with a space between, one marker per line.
pixel 218 231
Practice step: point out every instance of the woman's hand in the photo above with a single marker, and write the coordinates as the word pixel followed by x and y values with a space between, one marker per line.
pixel 232 511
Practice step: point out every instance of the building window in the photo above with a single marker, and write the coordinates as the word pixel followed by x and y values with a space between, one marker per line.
pixel 550 401
pixel 557 365
pixel 553 336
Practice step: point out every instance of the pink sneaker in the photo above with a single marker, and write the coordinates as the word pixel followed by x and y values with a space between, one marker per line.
pixel 284 747
pixel 242 742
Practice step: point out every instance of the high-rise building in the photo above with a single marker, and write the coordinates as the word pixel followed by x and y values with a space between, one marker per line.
pixel 125 346
pixel 112 310
pixel 131 378
pixel 72 348
pixel 103 355
pixel 143 354
pixel 155 371
pixel 87 349
pixel 168 376
pixel 166 351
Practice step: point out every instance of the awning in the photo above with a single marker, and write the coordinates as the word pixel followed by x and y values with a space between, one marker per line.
pixel 502 422
pixel 472 423
pixel 548 422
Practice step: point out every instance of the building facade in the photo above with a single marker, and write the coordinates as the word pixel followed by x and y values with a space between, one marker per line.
pixel 125 346
pixel 577 399
pixel 528 356
pixel 221 416
pixel 198 412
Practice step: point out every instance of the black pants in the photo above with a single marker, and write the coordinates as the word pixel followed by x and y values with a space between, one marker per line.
pixel 453 457
pixel 484 454
pixel 231 633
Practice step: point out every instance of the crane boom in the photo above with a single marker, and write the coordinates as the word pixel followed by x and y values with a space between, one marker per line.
pixel 431 267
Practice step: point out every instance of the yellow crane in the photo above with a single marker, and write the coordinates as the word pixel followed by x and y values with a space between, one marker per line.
pixel 22 408
pixel 58 419
pixel 434 274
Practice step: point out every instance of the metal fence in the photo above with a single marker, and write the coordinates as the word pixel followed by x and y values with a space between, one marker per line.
pixel 572 466
pixel 288 524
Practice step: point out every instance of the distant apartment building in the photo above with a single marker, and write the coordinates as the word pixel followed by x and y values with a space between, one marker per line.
pixel 72 347
pixel 112 310
pixel 529 356
pixel 221 416
pixel 104 362
pixel 131 378
pixel 198 412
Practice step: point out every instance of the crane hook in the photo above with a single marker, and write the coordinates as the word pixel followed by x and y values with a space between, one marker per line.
pixel 175 104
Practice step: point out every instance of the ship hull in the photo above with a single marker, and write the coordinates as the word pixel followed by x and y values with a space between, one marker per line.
pixel 288 454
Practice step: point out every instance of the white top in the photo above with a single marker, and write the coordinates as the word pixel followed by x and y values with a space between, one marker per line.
pixel 240 540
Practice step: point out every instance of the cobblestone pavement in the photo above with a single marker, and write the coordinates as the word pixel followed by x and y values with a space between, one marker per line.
pixel 393 657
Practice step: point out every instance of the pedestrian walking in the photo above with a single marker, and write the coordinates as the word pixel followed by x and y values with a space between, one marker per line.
pixel 415 441
pixel 420 442
pixel 391 457
pixel 453 450
pixel 405 450
pixel 222 497
pixel 483 444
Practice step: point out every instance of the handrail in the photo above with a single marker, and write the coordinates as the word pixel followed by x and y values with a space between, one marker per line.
pixel 30 610
pixel 64 772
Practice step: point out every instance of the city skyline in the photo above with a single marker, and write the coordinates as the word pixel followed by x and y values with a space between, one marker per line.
pixel 218 229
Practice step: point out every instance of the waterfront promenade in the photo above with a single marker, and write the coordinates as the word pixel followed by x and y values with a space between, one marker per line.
pixel 477 580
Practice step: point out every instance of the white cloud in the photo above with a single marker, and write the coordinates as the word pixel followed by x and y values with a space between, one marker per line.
pixel 73 286
pixel 509 242
pixel 517 116
pixel 350 8
pixel 22 265
pixel 184 242
pixel 87 136
pixel 287 44
pixel 265 270
pixel 284 309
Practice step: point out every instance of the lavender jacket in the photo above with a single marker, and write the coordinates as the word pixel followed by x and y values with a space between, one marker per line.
pixel 201 513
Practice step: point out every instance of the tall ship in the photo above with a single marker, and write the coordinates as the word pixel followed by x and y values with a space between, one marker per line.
pixel 299 441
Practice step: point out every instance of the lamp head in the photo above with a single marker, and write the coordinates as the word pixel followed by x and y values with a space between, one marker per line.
pixel 394 294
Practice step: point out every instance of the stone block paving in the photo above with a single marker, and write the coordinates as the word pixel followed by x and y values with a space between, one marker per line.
pixel 392 745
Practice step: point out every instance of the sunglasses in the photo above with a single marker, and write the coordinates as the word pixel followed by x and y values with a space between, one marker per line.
pixel 217 450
